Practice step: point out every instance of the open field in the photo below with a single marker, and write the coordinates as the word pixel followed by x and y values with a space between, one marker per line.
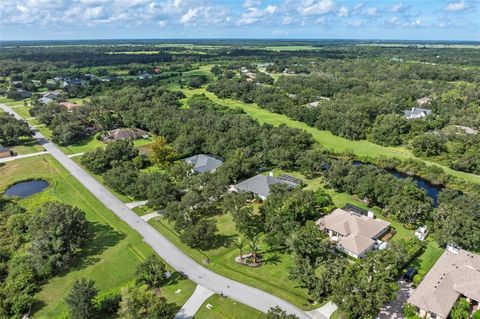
pixel 110 257
pixel 225 308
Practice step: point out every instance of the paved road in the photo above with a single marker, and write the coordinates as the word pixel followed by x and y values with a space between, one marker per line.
pixel 193 304
pixel 175 257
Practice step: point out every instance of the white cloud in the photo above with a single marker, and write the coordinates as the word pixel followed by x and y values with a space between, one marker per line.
pixel 399 8
pixel 310 7
pixel 343 12
pixel 255 14
pixel 372 11
pixel 288 20
pixel 189 16
pixel 251 3
pixel 456 6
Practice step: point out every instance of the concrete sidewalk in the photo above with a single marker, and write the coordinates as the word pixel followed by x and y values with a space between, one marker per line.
pixel 9 159
pixel 193 304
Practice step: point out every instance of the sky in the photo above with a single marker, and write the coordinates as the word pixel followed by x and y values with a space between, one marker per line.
pixel 283 19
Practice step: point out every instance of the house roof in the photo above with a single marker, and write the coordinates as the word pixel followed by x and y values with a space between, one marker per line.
pixel 346 223
pixel 423 100
pixel 454 274
pixel 355 243
pixel 51 95
pixel 260 184
pixel 417 112
pixel 69 105
pixel 203 163
pixel 126 133
pixel 45 100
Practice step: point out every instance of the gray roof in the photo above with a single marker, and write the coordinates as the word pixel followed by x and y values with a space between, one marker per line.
pixel 260 184
pixel 45 100
pixel 203 163
pixel 457 272
pixel 417 112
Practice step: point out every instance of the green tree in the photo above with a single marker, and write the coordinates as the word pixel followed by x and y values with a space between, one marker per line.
pixel 152 272
pixel 122 178
pixel 139 302
pixel 461 309
pixel 57 231
pixel 80 299
pixel 161 153
pixel 278 313
pixel 388 129
pixel 200 235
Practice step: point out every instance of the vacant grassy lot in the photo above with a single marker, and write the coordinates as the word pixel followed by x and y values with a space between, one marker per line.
pixel 225 308
pixel 111 255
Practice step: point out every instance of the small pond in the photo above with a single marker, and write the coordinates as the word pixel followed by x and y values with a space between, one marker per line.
pixel 24 189
pixel 432 190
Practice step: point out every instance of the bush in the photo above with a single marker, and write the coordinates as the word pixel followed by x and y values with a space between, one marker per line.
pixel 409 310
pixel 476 314
pixel 108 303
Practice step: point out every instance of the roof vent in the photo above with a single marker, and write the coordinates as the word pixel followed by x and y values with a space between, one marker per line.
pixel 453 249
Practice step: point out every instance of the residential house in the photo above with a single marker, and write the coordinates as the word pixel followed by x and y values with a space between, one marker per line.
pixel 417 113
pixel 144 75
pixel 5 152
pixel 69 106
pixel 424 101
pixel 259 185
pixel 465 129
pixel 49 97
pixel 455 274
pixel 60 78
pixel 23 93
pixel 203 163
pixel 124 133
pixel 354 233
pixel 72 82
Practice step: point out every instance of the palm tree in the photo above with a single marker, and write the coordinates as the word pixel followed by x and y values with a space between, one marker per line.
pixel 240 243
pixel 255 247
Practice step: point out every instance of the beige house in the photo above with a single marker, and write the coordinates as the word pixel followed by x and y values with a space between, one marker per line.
pixel 455 274
pixel 125 134
pixel 354 233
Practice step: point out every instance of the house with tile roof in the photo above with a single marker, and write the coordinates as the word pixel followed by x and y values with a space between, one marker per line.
pixel 354 234
pixel 203 163
pixel 455 274
pixel 259 185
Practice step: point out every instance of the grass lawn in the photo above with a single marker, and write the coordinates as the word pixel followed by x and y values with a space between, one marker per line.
pixel 91 142
pixel 325 138
pixel 23 111
pixel 111 255
pixel 27 146
pixel 428 258
pixel 271 277
pixel 225 308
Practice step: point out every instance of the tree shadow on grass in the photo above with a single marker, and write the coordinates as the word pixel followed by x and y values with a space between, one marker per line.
pixel 274 259
pixel 223 241
pixel 100 238
pixel 175 278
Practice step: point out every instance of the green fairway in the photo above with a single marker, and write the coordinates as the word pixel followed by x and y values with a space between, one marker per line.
pixel 225 308
pixel 326 139
pixel 112 254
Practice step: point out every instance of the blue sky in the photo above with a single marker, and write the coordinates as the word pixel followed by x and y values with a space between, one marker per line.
pixel 102 19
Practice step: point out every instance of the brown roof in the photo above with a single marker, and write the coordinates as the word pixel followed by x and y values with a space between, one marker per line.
pixel 454 274
pixel 346 223
pixel 69 105
pixel 357 231
pixel 126 133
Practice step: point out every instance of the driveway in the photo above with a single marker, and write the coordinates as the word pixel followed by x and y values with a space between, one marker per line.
pixel 193 304
pixel 394 309
pixel 175 257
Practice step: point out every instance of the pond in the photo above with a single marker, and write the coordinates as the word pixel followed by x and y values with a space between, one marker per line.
pixel 24 189
pixel 432 190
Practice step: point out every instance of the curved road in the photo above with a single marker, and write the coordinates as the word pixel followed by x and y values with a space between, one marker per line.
pixel 250 296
